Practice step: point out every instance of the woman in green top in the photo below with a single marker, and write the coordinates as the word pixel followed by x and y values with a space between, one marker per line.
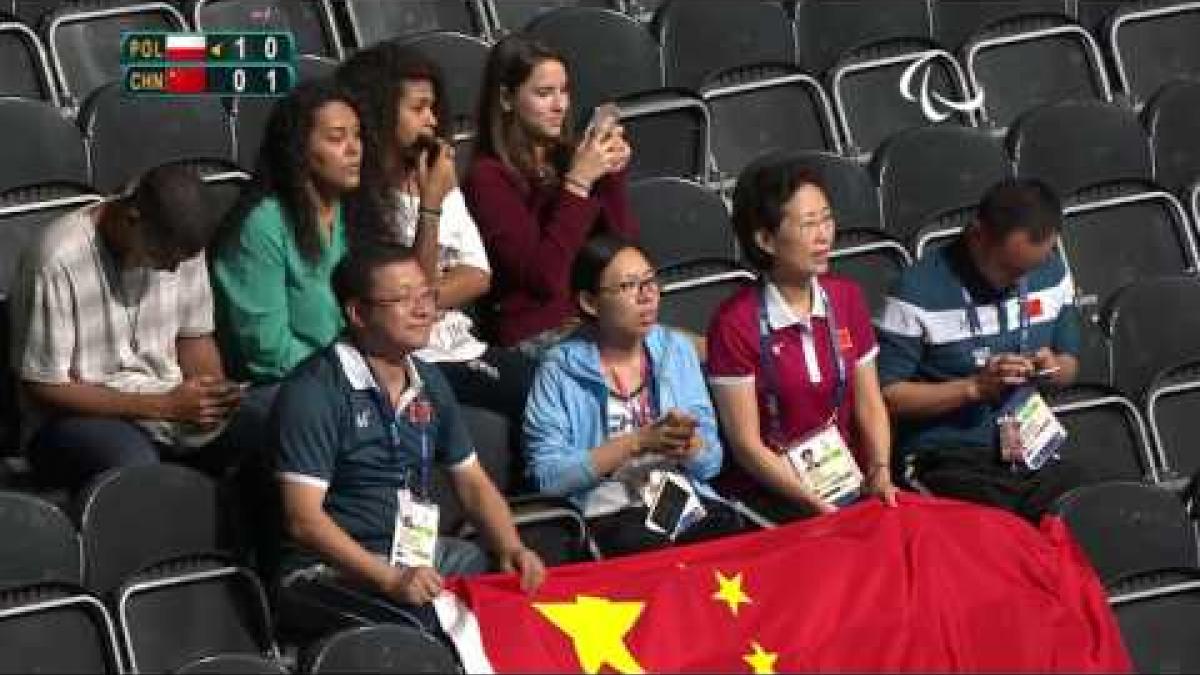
pixel 272 267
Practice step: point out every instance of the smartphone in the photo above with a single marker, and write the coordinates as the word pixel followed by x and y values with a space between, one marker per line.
pixel 430 146
pixel 604 115
pixel 668 507
pixel 1047 372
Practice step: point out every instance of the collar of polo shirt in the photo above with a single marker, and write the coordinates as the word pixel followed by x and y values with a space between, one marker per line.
pixel 780 314
pixel 359 374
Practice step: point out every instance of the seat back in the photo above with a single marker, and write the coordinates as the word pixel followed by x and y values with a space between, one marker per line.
pixel 761 109
pixel 1072 146
pixel 381 648
pixel 512 16
pixel 1158 614
pixel 1153 45
pixel 872 259
pixel 461 58
pixel 1106 433
pixel 929 172
pixel 681 221
pixel 42 146
pixel 871 103
pixel 174 512
pixel 82 40
pixel 702 38
pixel 233 663
pixel 56 629
pixel 373 21
pixel 1128 528
pixel 849 188
pixel 611 55
pixel 1025 63
pixel 26 72
pixel 671 131
pixel 827 29
pixel 691 294
pixel 1174 127
pixel 43 545
pixel 1113 236
pixel 1171 405
pixel 310 22
pixel 955 20
pixel 1153 326
pixel 24 212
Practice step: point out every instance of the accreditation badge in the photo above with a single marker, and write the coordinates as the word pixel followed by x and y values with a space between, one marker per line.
pixel 414 539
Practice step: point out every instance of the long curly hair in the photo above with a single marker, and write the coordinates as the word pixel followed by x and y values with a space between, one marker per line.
pixel 282 170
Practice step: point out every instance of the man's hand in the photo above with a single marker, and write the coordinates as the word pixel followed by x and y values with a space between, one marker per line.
pixel 525 563
pixel 1001 373
pixel 204 401
pixel 413 585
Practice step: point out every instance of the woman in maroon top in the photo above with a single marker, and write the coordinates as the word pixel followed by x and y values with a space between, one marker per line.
pixel 535 193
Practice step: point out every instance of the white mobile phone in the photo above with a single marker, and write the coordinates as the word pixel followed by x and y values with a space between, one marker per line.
pixel 601 117
pixel 1047 372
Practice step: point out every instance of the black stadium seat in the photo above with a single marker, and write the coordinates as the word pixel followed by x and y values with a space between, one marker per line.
pixel 692 293
pixel 826 29
pixel 311 22
pixel 49 550
pixel 760 109
pixel 41 146
pixel 381 648
pixel 872 105
pixel 1172 118
pixel 1072 146
pixel 461 59
pixel 84 40
pixel 681 221
pixel 127 136
pixel 1153 326
pixel 702 38
pixel 24 65
pixel 511 16
pixel 872 259
pixel 23 212
pixel 1153 44
pixel 1171 405
pixel 610 55
pixel 848 186
pixel 372 21
pixel 671 131
pixel 1106 434
pixel 1128 528
pixel 929 172
pixel 222 664
pixel 1158 614
pixel 1024 63
pixel 955 20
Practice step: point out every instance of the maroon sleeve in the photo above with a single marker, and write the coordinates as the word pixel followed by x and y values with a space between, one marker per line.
pixel 613 191
pixel 733 343
pixel 535 255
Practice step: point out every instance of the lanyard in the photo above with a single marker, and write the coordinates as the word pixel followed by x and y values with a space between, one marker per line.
pixel 767 360
pixel 1022 317
pixel 646 405
pixel 421 415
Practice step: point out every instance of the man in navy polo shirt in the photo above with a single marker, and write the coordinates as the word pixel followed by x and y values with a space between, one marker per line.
pixel 966 327
pixel 360 426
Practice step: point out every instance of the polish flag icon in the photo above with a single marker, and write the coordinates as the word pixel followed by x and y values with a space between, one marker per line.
pixel 186 47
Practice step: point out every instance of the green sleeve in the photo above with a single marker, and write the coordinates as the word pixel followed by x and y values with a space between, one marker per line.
pixel 250 274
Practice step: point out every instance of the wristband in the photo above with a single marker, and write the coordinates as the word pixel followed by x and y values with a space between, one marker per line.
pixel 425 211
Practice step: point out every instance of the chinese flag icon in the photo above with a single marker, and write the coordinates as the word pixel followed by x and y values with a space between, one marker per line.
pixel 186 80
pixel 1034 307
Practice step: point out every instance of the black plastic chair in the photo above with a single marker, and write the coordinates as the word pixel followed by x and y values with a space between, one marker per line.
pixel 681 221
pixel 611 55
pixel 24 212
pixel 41 146
pixel 1171 405
pixel 956 20
pixel 128 136
pixel 56 628
pixel 42 544
pixel 1022 64
pixel 1106 434
pixel 872 259
pixel 26 72
pixel 1173 123
pixel 311 22
pixel 671 131
pixel 1153 325
pixel 381 648
pixel 691 293
pixel 227 664
pixel 1158 614
pixel 1072 146
pixel 702 38
pixel 827 29
pixel 1152 44
pixel 373 21
pixel 513 16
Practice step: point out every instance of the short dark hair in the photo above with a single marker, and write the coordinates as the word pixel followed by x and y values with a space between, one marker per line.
pixel 1020 204
pixel 174 216
pixel 351 278
pixel 595 256
pixel 759 197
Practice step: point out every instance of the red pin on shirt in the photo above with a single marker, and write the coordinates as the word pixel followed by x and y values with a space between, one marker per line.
pixel 420 411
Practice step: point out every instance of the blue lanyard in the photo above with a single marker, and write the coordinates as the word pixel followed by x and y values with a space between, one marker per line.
pixel 391 417
pixel 767 360
pixel 1022 316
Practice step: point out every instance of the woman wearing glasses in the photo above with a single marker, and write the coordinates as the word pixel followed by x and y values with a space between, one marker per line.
pixel 792 361
pixel 619 419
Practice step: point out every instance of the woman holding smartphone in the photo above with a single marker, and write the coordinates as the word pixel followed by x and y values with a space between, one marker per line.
pixel 401 95
pixel 536 193
pixel 793 359
pixel 619 419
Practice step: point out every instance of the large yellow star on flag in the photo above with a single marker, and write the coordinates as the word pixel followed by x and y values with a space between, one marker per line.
pixel 761 661
pixel 597 627
pixel 729 590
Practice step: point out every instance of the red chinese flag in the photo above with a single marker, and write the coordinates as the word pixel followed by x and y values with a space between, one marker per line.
pixel 1034 307
pixel 186 80
pixel 930 586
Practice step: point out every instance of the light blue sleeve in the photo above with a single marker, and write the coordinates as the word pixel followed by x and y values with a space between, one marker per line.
pixel 556 461
pixel 691 394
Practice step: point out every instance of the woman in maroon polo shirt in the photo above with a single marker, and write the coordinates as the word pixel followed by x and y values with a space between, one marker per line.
pixel 793 359
pixel 535 193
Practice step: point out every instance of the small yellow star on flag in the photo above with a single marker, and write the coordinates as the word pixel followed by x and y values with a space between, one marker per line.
pixel 730 591
pixel 761 662
pixel 597 628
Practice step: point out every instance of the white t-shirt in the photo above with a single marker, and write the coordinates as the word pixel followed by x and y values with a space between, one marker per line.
pixel 458 244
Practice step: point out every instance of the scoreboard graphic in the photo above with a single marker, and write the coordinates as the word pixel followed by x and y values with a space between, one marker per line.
pixel 249 63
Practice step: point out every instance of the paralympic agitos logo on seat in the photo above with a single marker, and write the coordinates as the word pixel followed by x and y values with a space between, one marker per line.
pixel 934 105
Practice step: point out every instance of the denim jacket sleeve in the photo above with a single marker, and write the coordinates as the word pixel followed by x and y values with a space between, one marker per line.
pixel 556 461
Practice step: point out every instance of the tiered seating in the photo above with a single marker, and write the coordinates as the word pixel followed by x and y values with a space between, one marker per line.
pixel 311 22
pixel 509 16
pixel 671 131
pixel 700 39
pixel 26 72
pixel 1171 405
pixel 1158 614
pixel 372 21
pixel 44 148
pixel 1153 44
pixel 826 29
pixel 681 221
pixel 956 20
pixel 380 649
pixel 1106 433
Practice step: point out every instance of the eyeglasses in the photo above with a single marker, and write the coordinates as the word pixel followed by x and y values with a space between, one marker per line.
pixel 634 286
pixel 823 220
pixel 406 301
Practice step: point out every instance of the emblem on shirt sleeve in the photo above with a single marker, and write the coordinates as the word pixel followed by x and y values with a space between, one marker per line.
pixel 362 419
pixel 845 341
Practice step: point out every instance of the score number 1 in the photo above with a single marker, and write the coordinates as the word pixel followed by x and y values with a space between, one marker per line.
pixel 251 80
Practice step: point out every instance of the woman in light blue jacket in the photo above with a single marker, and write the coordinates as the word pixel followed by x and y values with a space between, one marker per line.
pixel 619 419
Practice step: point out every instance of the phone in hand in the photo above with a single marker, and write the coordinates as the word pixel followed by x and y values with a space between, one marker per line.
pixel 604 116
pixel 1046 372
